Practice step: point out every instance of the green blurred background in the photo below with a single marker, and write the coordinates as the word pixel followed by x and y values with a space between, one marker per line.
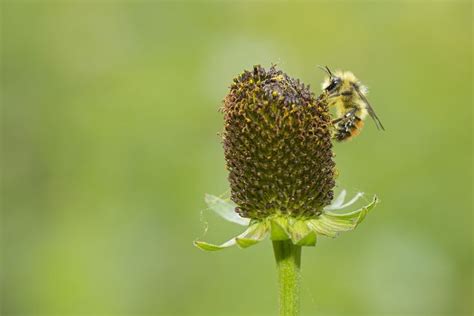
pixel 109 122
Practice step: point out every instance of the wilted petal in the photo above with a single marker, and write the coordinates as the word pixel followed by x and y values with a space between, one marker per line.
pixel 225 209
pixel 335 205
pixel 338 203
pixel 252 235
pixel 354 199
pixel 330 224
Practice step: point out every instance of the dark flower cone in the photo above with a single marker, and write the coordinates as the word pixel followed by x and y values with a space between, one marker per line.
pixel 277 144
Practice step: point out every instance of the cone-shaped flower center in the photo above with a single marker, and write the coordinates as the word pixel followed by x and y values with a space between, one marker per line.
pixel 277 144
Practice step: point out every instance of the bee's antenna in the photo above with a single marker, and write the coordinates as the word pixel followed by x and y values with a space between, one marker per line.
pixel 329 71
pixel 326 70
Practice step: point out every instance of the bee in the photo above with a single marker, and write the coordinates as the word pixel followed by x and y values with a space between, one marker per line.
pixel 344 91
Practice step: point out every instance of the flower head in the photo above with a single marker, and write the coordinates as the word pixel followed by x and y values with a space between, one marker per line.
pixel 277 145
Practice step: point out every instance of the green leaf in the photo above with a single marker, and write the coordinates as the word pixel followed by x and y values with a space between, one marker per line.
pixel 330 224
pixel 225 209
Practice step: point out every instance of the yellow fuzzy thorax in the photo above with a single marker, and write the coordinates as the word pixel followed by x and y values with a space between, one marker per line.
pixel 343 102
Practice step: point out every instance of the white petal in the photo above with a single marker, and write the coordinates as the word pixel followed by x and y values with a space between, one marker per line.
pixel 225 209
pixel 354 199
pixel 335 205
pixel 338 202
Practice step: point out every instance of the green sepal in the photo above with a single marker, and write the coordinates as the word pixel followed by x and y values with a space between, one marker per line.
pixel 279 228
pixel 252 235
pixel 309 240
pixel 301 234
pixel 331 224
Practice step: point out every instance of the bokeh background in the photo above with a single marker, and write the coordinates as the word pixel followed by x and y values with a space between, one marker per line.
pixel 109 142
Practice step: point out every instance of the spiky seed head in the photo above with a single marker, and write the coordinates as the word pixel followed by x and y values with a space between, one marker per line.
pixel 277 146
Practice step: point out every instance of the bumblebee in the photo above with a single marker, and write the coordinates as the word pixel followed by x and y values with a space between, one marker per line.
pixel 344 91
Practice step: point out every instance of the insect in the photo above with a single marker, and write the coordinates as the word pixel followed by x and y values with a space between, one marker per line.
pixel 344 91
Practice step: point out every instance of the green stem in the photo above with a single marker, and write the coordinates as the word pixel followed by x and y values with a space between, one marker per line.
pixel 288 259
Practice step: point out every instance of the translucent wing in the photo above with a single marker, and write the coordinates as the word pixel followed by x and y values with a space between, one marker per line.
pixel 370 110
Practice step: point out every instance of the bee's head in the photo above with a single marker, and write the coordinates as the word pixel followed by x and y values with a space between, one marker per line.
pixel 341 83
pixel 332 82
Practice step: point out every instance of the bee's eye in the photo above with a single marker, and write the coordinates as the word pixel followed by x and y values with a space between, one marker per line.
pixel 333 84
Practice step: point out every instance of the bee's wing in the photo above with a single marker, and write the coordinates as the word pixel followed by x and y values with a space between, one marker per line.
pixel 370 110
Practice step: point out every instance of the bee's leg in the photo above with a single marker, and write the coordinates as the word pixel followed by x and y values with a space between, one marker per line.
pixel 349 116
pixel 345 125
pixel 351 113
pixel 336 126
pixel 351 119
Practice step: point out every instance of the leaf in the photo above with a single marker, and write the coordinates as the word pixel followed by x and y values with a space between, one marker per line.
pixel 252 235
pixel 225 209
pixel 330 224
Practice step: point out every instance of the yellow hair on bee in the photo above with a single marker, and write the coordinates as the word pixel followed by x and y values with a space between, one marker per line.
pixel 346 77
pixel 347 94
